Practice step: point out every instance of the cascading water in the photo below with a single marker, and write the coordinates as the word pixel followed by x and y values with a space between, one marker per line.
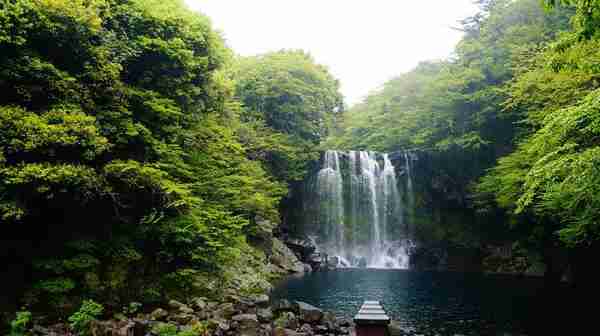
pixel 330 192
pixel 360 216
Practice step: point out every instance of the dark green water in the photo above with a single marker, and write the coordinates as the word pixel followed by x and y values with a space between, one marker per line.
pixel 439 303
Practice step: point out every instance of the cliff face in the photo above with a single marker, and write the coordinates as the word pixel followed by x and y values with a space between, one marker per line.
pixel 438 213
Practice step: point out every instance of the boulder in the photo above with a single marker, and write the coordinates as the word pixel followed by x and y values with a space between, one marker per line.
pixel 306 329
pixel 186 310
pixel 343 322
pixel 265 314
pixel 181 318
pixel 219 324
pixel 308 313
pixel 245 305
pixel 261 300
pixel 176 304
pixel 284 259
pixel 332 262
pixel 285 332
pixel 247 324
pixel 225 310
pixel 395 329
pixel 266 328
pixel 283 305
pixel 112 328
pixel 199 303
pixel 302 247
pixel 159 314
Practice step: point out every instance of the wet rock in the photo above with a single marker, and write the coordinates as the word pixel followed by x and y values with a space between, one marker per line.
pixel 202 315
pixel 395 329
pixel 285 332
pixel 321 329
pixel 265 314
pixel 181 318
pixel 159 314
pixel 332 262
pixel 284 259
pixel 232 298
pixel 176 304
pixel 267 328
pixel 329 320
pixel 112 328
pixel 283 305
pixel 261 300
pixel 308 313
pixel 186 310
pixel 245 305
pixel 225 310
pixel 219 325
pixel 343 322
pixel 306 329
pixel 247 324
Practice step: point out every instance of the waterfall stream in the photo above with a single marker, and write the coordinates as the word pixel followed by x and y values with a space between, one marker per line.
pixel 360 212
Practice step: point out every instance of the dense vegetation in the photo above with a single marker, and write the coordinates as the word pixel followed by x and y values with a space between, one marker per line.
pixel 511 119
pixel 140 159
pixel 133 162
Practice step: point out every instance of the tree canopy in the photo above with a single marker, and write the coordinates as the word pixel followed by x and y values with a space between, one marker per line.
pixel 136 150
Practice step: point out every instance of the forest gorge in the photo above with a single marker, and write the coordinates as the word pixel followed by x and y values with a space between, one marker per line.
pixel 142 160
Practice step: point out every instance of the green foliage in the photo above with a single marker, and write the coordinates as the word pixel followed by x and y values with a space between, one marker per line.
pixel 289 105
pixel 587 18
pixel 461 112
pixel 88 312
pixel 457 103
pixel 167 329
pixel 548 182
pixel 20 325
pixel 132 308
pixel 127 166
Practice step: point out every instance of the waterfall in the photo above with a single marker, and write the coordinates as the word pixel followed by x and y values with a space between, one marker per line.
pixel 360 216
pixel 330 192
pixel 410 197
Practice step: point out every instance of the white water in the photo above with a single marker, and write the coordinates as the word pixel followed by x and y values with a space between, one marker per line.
pixel 355 226
pixel 330 190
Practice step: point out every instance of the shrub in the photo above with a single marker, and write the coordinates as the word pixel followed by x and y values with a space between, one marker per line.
pixel 80 320
pixel 20 325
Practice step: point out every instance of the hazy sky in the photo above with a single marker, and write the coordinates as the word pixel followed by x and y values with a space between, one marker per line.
pixel 363 43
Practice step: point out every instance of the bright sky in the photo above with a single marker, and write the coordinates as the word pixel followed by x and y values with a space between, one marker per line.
pixel 364 43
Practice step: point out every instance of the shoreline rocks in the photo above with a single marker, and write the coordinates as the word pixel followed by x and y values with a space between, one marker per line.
pixel 233 316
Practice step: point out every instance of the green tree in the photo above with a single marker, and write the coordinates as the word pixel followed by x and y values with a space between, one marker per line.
pixel 290 104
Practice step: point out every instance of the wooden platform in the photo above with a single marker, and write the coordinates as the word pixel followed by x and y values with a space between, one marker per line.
pixel 371 313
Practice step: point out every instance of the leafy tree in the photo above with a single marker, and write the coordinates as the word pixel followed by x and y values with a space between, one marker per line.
pixel 290 104
pixel 123 163
pixel 456 110
pixel 550 177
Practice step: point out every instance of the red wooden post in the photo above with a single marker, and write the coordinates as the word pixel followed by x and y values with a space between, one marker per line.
pixel 371 320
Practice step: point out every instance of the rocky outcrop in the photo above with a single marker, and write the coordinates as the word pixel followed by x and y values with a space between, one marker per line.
pixel 308 313
pixel 283 260
pixel 235 315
